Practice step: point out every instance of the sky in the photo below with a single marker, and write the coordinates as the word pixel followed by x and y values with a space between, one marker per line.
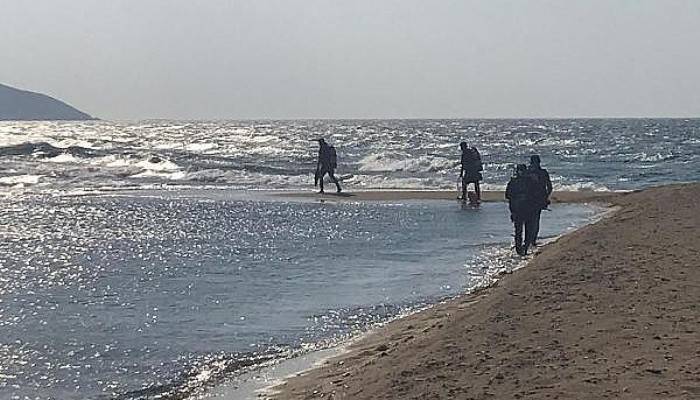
pixel 175 59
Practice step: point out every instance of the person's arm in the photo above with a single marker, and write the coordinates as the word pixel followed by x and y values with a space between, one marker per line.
pixel 318 160
pixel 508 191
pixel 547 183
pixel 461 166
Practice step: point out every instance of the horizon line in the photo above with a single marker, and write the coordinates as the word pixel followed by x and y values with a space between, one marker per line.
pixel 391 118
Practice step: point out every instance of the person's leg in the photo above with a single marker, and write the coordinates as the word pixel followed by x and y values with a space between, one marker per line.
pixel 323 175
pixel 529 231
pixel 535 227
pixel 334 180
pixel 464 189
pixel 518 224
pixel 477 190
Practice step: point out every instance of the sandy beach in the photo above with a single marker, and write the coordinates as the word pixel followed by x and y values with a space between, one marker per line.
pixel 609 311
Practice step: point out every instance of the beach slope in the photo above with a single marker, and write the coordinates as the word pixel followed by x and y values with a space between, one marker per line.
pixel 609 311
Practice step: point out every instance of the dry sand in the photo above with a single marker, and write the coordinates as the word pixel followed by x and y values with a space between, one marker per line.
pixel 609 311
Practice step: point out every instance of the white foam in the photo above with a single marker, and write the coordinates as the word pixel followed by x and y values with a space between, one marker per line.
pixel 163 165
pixel 195 147
pixel 383 162
pixel 112 162
pixel 549 142
pixel 65 143
pixel 207 175
pixel 64 158
pixel 21 179
pixel 580 186
pixel 644 157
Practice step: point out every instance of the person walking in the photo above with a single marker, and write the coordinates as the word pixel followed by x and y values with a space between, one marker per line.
pixel 542 193
pixel 470 171
pixel 520 194
pixel 326 164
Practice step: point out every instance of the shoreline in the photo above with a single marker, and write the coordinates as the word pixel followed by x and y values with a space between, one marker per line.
pixel 262 381
pixel 519 339
pixel 584 196
pixel 372 195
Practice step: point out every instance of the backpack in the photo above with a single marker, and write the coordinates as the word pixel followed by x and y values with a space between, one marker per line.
pixel 471 160
pixel 333 157
pixel 477 159
pixel 521 195
pixel 539 190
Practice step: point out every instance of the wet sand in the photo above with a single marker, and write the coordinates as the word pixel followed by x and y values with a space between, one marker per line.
pixel 487 196
pixel 609 311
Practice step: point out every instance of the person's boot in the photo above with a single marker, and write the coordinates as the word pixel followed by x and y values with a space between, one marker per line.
pixel 519 248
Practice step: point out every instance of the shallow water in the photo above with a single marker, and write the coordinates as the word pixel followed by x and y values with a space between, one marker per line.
pixel 134 296
pixel 168 291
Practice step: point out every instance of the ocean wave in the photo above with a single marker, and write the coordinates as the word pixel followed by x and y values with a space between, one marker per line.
pixel 69 143
pixel 14 180
pixel 580 186
pixel 206 372
pixel 45 149
pixel 386 162
pixel 191 147
pixel 656 157
pixel 156 163
pixel 550 142
pixel 206 175
pixel 380 154
pixel 384 182
pixel 64 158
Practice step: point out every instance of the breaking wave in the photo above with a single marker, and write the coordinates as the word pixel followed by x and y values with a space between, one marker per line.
pixel 387 162
pixel 410 154
pixel 44 149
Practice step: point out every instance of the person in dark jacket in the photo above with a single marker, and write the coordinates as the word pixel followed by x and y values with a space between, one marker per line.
pixel 326 164
pixel 542 193
pixel 470 171
pixel 521 195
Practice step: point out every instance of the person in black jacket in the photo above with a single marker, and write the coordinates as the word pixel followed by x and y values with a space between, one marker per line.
pixel 326 164
pixel 470 171
pixel 522 201
pixel 542 193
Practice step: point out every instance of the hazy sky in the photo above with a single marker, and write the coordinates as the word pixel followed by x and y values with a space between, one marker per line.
pixel 356 59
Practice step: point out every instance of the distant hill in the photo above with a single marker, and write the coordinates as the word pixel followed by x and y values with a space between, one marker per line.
pixel 18 104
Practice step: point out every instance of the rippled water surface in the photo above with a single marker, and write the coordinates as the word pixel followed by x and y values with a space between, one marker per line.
pixel 130 297
pixel 580 154
pixel 184 282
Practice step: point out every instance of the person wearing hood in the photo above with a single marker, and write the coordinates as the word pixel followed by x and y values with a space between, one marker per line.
pixel 326 164
pixel 522 201
pixel 470 171
pixel 542 193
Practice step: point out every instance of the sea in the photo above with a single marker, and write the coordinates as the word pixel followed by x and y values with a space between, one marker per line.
pixel 159 259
